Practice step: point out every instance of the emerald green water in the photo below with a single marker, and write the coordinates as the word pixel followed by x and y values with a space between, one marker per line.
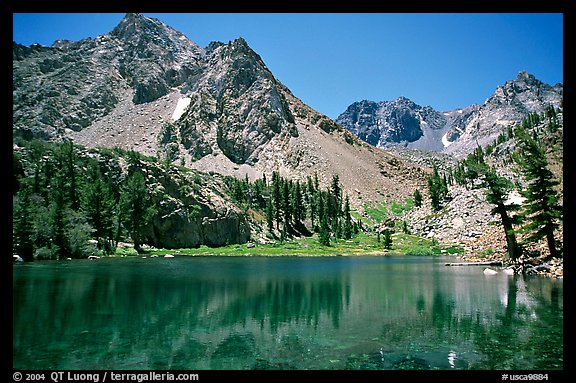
pixel 282 313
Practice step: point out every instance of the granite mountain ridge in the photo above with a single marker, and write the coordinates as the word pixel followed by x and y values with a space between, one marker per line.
pixel 401 122
pixel 147 87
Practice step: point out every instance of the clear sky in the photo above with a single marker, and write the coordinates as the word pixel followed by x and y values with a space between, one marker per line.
pixel 330 60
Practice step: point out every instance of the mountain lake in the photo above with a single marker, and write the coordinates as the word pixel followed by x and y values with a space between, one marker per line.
pixel 304 313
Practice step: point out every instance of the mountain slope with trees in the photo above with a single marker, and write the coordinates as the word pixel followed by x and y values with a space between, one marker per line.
pixel 148 88
pixel 504 200
pixel 142 136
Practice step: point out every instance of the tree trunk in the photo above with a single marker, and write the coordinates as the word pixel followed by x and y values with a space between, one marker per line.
pixel 514 250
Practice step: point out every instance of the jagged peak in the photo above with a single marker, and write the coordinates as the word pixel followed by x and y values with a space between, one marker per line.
pixel 213 45
pixel 240 41
pixel 405 101
pixel 524 77
pixel 365 102
pixel 240 45
pixel 133 24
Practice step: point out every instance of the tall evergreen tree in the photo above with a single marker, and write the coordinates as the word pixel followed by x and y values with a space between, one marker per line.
pixel 324 229
pixel 387 240
pixel 497 192
pixel 417 198
pixel 298 210
pixel 347 228
pixel 270 214
pixel 286 206
pixel 437 188
pixel 57 222
pixel 70 160
pixel 23 228
pixel 137 207
pixel 277 198
pixel 541 208
pixel 98 205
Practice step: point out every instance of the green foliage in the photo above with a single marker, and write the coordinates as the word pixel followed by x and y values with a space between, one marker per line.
pixel 23 227
pixel 125 252
pixel 270 214
pixel 324 231
pixel 114 204
pixel 99 206
pixel 136 206
pixel 437 188
pixel 387 239
pixel 542 211
pixel 57 209
pixel 405 229
pixel 417 198
pixel 288 204
pixel 476 172
pixel 348 228
pixel 398 208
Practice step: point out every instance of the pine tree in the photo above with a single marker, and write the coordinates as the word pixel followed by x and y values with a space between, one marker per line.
pixel 277 198
pixel 69 154
pixel 437 188
pixel 347 227
pixel 286 206
pixel 269 214
pixel 57 222
pixel 387 240
pixel 324 229
pixel 137 207
pixel 298 211
pixel 324 233
pixel 23 228
pixel 98 205
pixel 497 192
pixel 311 198
pixel 417 198
pixel 541 207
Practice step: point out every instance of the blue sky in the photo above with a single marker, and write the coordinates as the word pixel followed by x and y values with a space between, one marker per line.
pixel 330 60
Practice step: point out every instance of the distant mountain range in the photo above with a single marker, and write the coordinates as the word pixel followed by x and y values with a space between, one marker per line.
pixel 403 122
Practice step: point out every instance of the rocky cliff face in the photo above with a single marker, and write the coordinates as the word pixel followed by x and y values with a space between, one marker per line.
pixel 235 109
pixel 70 85
pixel 191 208
pixel 458 132
pixel 397 122
pixel 509 104
pixel 146 87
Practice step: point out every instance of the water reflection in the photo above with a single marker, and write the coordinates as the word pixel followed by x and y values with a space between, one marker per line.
pixel 278 313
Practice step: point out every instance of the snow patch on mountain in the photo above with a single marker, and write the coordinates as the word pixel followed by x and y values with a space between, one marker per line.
pixel 445 140
pixel 181 106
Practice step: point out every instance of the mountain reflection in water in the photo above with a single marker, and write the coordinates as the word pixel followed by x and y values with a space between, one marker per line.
pixel 282 313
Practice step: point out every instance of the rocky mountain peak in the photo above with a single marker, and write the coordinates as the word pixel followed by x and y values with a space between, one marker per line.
pixel 405 102
pixel 146 87
pixel 239 52
pixel 388 123
pixel 403 122
pixel 135 25
pixel 524 76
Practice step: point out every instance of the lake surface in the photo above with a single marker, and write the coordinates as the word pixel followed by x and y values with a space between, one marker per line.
pixel 282 313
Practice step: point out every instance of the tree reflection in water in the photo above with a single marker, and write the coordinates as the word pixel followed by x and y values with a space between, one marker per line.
pixel 335 313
